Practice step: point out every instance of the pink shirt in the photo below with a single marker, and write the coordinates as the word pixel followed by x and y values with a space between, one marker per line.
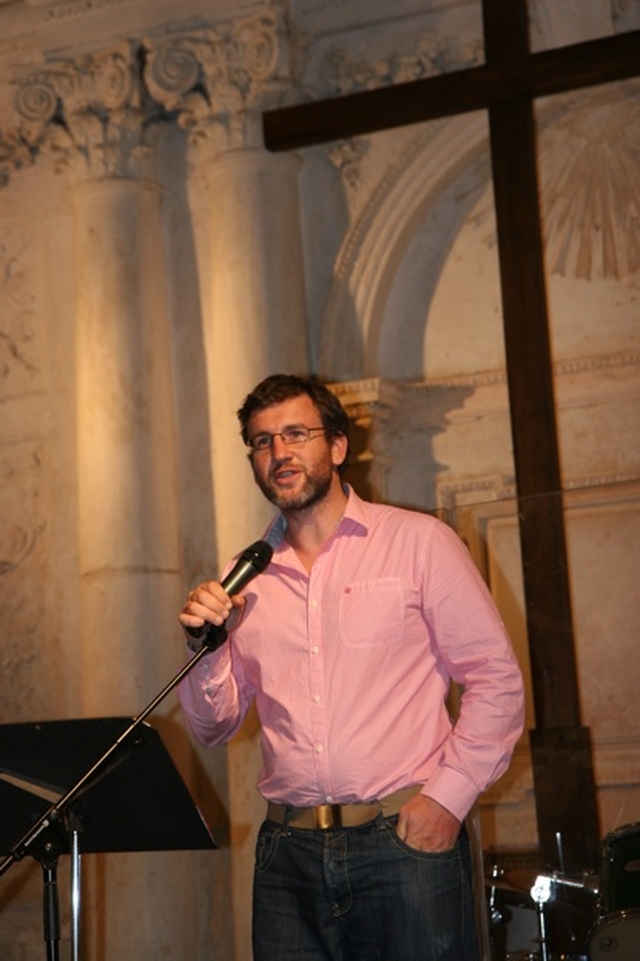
pixel 350 667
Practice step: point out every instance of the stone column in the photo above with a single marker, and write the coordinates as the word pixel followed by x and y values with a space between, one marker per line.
pixel 252 287
pixel 95 119
pixel 256 324
pixel 218 81
pixel 126 456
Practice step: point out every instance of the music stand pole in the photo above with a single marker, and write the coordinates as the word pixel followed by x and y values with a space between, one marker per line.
pixel 75 895
pixel 51 905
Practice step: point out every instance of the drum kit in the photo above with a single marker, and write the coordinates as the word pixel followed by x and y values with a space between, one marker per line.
pixel 561 917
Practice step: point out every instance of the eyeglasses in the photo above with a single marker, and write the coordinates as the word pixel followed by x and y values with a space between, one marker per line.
pixel 290 435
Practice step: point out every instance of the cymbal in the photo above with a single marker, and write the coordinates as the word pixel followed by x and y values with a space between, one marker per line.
pixel 506 893
pixel 521 879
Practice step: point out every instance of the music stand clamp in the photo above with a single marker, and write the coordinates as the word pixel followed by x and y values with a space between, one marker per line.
pixel 109 781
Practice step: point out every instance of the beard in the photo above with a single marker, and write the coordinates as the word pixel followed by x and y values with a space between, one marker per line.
pixel 316 486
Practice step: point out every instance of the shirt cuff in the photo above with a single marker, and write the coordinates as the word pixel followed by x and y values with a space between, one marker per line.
pixel 452 790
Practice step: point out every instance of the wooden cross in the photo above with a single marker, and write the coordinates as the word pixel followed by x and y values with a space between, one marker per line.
pixel 506 85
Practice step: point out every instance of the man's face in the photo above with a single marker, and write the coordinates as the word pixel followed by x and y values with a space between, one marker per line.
pixel 297 476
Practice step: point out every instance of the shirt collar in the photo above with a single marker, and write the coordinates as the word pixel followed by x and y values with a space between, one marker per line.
pixel 355 515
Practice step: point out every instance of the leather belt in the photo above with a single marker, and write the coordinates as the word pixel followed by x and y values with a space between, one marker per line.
pixel 326 816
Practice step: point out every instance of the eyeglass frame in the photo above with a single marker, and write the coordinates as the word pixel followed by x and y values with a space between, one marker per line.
pixel 281 433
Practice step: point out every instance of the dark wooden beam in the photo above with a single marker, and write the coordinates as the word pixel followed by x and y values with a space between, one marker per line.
pixel 533 418
pixel 560 746
pixel 533 75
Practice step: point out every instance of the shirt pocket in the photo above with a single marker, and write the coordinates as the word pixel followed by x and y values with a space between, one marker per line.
pixel 371 613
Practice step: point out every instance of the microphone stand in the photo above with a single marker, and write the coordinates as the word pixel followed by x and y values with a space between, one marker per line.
pixel 45 839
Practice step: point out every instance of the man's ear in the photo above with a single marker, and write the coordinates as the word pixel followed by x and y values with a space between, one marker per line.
pixel 339 447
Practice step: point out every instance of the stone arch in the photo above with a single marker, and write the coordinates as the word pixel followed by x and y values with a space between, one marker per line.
pixel 589 195
pixel 435 166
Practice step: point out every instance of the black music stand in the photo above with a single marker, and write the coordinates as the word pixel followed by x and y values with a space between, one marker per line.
pixel 100 785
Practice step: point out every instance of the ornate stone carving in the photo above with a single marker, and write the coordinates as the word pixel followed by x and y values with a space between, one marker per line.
pixel 625 14
pixel 24 561
pixel 346 157
pixel 97 116
pixel 433 54
pixel 589 184
pixel 217 80
pixel 93 117
pixel 65 9
pixel 467 491
pixel 19 347
pixel 15 153
pixel 367 403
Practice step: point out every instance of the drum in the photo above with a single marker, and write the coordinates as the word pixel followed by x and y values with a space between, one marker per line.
pixel 620 870
pixel 616 937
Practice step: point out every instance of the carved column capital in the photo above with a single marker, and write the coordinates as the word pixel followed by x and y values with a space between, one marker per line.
pixel 218 80
pixel 15 153
pixel 92 116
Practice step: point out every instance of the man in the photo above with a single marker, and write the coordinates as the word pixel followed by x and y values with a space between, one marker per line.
pixel 348 642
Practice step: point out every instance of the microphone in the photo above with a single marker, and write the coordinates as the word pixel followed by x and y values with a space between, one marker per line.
pixel 251 562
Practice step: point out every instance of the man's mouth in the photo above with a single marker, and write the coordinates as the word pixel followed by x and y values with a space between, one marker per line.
pixel 285 474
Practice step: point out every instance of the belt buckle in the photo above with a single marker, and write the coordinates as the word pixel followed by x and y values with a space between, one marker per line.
pixel 326 816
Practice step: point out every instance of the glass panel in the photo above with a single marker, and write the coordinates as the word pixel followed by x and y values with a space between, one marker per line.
pixel 405 314
pixel 603 541
pixel 589 171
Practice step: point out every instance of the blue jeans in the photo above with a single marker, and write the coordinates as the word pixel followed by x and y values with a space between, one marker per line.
pixel 360 894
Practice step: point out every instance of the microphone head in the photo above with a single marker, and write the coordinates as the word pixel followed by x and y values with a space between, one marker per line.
pixel 258 555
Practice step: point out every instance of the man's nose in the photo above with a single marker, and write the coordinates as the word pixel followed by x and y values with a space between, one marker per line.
pixel 279 449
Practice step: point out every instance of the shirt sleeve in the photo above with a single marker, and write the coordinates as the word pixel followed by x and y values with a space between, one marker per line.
pixel 473 643
pixel 215 697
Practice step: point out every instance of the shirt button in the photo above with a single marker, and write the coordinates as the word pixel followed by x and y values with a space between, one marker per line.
pixel 319 749
pixel 314 604
pixel 315 649
pixel 316 698
pixel 329 799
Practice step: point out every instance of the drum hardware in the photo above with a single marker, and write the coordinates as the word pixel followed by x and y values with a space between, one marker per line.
pixel 594 913
pixel 495 915
pixel 544 891
pixel 560 850
pixel 561 925
pixel 541 892
pixel 589 883
pixel 584 916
